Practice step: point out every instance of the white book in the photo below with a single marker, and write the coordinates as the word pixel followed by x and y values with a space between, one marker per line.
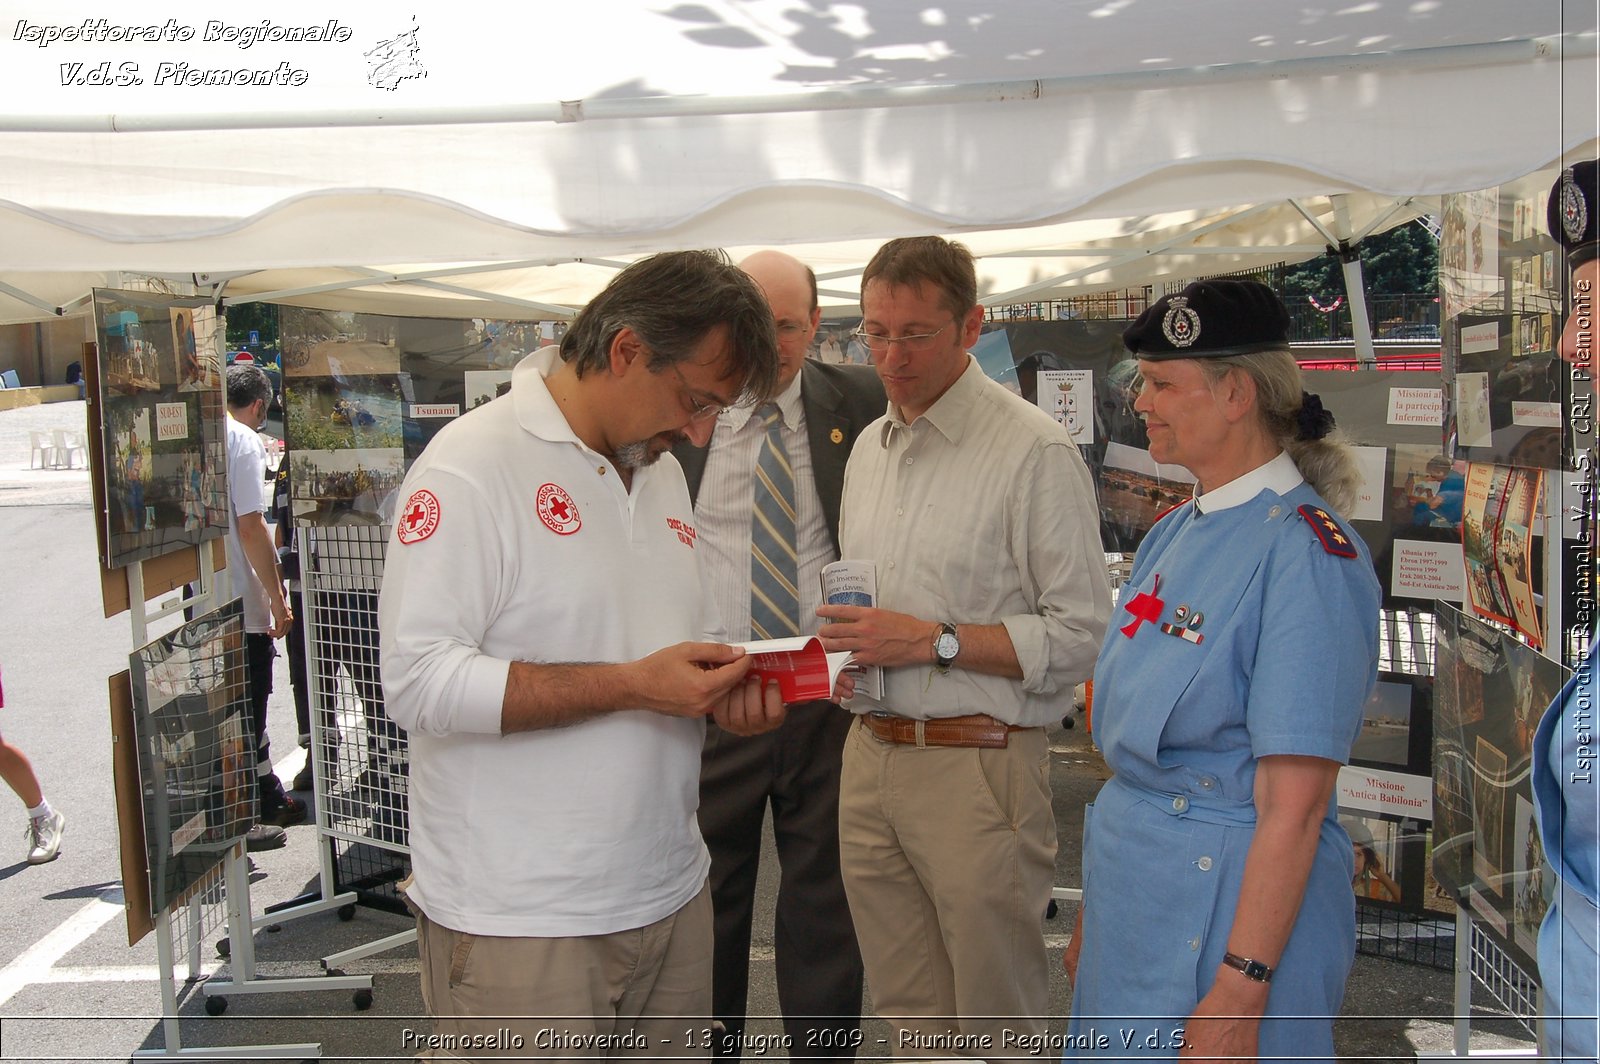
pixel 852 582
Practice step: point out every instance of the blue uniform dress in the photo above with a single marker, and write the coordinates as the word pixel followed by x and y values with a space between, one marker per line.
pixel 1245 630
pixel 1566 795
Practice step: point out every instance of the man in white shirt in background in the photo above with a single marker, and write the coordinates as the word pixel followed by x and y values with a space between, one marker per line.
pixel 795 769
pixel 253 566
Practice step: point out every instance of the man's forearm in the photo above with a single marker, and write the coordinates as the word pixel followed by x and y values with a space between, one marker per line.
pixel 553 696
pixel 986 648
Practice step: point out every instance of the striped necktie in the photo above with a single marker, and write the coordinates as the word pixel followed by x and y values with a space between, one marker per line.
pixel 774 579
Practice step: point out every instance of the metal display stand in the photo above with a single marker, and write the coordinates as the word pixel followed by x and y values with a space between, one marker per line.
pixel 181 927
pixel 361 758
pixel 1478 957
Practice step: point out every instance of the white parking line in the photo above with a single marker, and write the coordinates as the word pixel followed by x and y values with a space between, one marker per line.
pixel 34 963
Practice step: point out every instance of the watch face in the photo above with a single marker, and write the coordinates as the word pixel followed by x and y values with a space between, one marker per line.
pixel 947 646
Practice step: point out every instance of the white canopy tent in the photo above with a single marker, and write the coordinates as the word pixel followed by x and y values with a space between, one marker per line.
pixel 510 159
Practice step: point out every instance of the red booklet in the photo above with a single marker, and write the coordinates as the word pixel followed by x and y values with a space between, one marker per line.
pixel 804 671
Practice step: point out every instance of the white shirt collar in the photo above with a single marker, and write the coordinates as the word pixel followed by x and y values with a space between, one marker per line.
pixel 788 400
pixel 1279 476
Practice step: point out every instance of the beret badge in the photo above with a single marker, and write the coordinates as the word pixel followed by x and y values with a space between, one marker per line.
pixel 1181 325
pixel 1574 208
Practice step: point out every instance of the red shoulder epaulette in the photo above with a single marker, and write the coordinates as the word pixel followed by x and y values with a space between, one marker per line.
pixel 1335 540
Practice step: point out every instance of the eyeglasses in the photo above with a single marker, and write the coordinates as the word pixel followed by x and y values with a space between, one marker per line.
pixel 699 410
pixel 790 330
pixel 914 342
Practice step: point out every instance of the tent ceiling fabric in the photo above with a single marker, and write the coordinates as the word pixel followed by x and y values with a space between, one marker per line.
pixel 760 122
pixel 1014 265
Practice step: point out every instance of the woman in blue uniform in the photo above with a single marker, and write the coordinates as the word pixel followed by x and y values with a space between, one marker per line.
pixel 1217 917
pixel 1566 777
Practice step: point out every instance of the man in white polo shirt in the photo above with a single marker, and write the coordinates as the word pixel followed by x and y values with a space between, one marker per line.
pixel 540 625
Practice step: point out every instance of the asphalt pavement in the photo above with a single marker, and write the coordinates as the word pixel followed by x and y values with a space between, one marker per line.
pixel 72 988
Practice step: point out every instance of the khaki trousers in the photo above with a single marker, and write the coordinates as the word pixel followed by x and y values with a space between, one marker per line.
pixel 641 993
pixel 948 856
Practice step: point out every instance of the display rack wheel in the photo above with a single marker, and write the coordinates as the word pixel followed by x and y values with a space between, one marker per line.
pixel 335 972
pixel 362 999
pixel 1050 910
pixel 223 948
pixel 347 912
pixel 216 1006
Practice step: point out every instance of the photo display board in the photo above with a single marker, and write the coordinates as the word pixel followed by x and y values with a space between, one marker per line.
pixel 1503 286
pixel 162 440
pixel 196 744
pixel 1385 797
pixel 364 393
pixel 1490 690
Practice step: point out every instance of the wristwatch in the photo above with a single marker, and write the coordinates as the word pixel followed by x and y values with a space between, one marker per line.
pixel 946 646
pixel 1251 969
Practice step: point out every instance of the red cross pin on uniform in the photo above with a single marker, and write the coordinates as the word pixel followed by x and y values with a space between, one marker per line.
pixel 419 518
pixel 1144 607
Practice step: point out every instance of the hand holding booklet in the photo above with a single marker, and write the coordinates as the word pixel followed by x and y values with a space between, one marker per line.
pixel 850 582
pixel 804 671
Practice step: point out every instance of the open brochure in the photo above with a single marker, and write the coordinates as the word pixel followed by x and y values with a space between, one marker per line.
pixel 804 671
pixel 855 583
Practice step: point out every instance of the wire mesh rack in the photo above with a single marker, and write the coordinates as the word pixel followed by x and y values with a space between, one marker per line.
pixel 1395 934
pixel 361 757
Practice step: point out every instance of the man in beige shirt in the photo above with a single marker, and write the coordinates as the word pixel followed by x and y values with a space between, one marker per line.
pixel 981 519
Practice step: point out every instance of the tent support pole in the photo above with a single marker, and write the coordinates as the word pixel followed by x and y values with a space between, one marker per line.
pixel 1355 288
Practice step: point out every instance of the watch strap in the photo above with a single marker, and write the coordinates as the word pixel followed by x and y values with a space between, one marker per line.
pixel 1251 969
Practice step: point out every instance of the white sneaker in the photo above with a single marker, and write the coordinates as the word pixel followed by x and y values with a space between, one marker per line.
pixel 44 837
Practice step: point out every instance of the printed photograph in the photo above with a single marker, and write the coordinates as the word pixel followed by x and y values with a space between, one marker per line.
pixel 1377 846
pixel 195 773
pixel 345 486
pixel 1489 785
pixel 1385 736
pixel 1534 879
pixel 1134 491
pixel 161 442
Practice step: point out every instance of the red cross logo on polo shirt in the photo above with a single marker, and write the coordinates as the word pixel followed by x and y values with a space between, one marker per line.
pixel 1144 607
pixel 421 517
pixel 557 510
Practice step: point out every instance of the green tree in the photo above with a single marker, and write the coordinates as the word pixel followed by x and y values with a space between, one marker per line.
pixel 261 317
pixel 1402 261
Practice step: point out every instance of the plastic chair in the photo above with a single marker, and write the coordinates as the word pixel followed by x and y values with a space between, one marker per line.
pixel 66 445
pixel 43 451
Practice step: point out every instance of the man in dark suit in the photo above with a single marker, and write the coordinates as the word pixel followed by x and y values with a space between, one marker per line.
pixel 807 431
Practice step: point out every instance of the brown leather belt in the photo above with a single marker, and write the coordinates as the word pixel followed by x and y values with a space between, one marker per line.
pixel 978 729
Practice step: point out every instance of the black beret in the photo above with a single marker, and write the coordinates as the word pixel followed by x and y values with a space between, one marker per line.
pixel 1211 319
pixel 1574 213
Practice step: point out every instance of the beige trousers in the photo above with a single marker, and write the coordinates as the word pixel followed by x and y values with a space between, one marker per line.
pixel 948 856
pixel 642 993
